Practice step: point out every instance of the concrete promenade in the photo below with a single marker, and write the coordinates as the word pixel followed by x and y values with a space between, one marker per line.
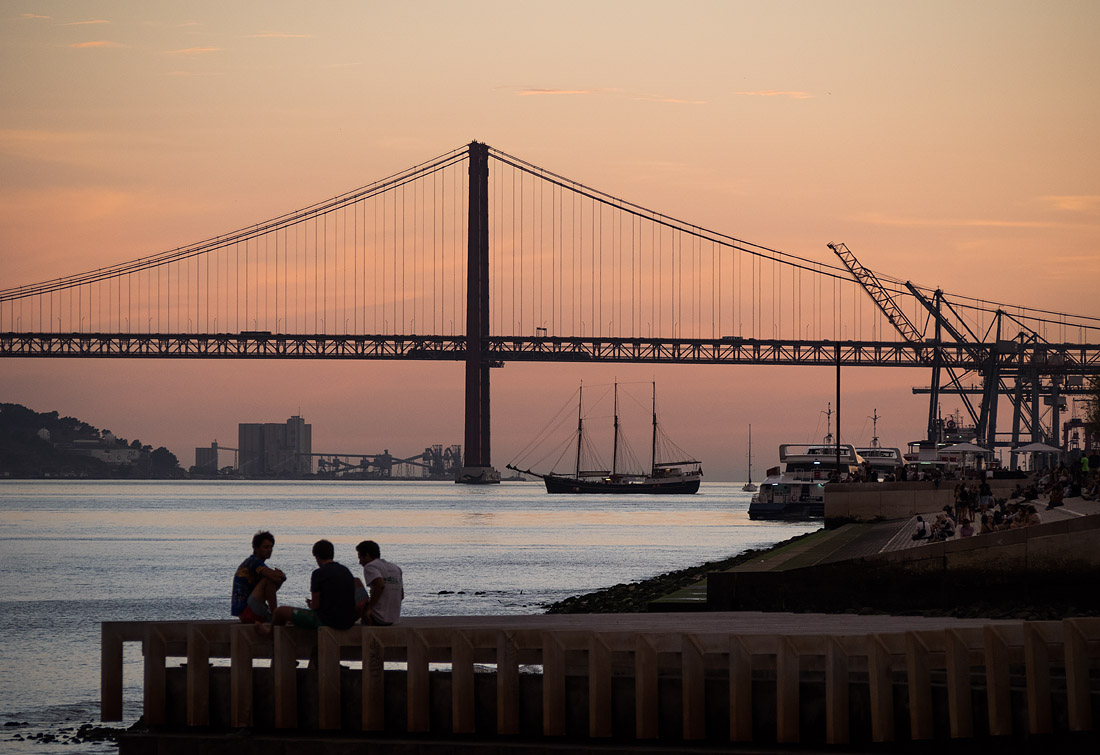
pixel 869 539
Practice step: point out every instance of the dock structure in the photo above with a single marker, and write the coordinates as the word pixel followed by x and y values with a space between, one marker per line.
pixel 698 679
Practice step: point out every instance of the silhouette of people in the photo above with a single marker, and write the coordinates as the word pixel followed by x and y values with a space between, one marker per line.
pixel 255 584
pixel 332 595
pixel 379 601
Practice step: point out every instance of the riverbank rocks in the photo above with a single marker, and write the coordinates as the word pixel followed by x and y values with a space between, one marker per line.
pixel 634 597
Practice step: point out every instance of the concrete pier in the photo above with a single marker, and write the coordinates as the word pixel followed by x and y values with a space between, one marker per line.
pixel 671 679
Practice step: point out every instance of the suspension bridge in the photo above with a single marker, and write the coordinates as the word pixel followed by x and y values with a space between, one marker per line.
pixel 481 257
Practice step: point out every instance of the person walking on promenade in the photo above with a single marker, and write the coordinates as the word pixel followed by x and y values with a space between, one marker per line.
pixel 255 584
pixel 332 595
pixel 382 607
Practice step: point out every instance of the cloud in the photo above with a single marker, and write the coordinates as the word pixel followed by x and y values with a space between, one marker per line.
pixel 279 35
pixel 98 43
pixel 875 218
pixel 777 93
pixel 1073 203
pixel 85 23
pixel 35 16
pixel 193 51
pixel 538 91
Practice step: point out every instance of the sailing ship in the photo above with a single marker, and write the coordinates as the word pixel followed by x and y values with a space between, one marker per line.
pixel 664 477
pixel 749 487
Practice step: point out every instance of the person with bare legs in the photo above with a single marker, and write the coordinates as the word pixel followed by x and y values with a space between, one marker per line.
pixel 255 584
pixel 332 595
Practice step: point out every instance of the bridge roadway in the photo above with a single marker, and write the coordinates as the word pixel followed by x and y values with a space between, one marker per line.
pixel 1045 358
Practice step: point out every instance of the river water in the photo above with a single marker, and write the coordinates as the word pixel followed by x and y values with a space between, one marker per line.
pixel 73 554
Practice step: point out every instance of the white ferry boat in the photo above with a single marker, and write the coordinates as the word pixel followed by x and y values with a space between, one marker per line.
pixel 881 461
pixel 796 489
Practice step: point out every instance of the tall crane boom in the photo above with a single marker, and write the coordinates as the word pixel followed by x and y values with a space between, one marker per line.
pixel 878 293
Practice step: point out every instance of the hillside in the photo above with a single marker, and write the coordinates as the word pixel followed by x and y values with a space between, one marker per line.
pixel 36 445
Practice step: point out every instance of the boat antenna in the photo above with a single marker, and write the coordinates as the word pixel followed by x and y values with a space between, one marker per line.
pixel 874 431
pixel 653 451
pixel 615 445
pixel 750 452
pixel 580 425
pixel 828 424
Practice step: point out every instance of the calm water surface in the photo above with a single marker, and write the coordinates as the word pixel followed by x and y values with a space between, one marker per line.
pixel 73 554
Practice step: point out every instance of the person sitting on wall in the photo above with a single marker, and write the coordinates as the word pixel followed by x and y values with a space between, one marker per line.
pixel 967 530
pixel 922 529
pixel 1056 495
pixel 987 525
pixel 1031 517
pixel 332 595
pixel 255 584
pixel 381 606
pixel 943 528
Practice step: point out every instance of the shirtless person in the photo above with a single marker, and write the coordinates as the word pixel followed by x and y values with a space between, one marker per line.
pixel 255 583
pixel 387 588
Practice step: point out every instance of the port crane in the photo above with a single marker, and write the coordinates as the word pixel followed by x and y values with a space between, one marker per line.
pixel 998 359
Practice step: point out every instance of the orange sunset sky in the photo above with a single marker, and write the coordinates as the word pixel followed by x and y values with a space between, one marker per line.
pixel 954 144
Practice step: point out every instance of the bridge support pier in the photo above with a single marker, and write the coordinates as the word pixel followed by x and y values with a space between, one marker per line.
pixel 477 468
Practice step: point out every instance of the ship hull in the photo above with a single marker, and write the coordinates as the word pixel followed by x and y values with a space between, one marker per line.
pixel 791 512
pixel 686 486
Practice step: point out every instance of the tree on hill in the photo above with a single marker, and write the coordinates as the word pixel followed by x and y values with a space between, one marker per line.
pixel 24 453
pixel 165 464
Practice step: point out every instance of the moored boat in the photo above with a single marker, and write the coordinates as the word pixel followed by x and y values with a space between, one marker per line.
pixel 679 476
pixel 881 462
pixel 796 490
pixel 750 486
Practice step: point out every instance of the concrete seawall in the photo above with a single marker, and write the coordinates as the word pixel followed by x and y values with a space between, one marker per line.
pixel 868 502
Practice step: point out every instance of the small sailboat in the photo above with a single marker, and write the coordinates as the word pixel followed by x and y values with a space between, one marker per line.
pixel 674 477
pixel 750 487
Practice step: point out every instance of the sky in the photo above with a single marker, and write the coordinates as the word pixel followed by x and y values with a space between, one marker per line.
pixel 952 144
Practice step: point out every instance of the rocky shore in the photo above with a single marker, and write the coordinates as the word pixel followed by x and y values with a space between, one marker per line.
pixel 965 599
pixel 636 596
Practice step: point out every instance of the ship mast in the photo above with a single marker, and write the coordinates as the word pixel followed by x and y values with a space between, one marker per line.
pixel 828 424
pixel 750 453
pixel 874 432
pixel 615 446
pixel 580 427
pixel 653 452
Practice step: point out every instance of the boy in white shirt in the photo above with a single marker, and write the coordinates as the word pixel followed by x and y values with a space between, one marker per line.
pixel 382 606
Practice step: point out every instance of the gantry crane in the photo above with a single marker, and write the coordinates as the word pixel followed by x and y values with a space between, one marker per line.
pixel 1028 384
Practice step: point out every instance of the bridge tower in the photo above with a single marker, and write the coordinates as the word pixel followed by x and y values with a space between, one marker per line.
pixel 477 468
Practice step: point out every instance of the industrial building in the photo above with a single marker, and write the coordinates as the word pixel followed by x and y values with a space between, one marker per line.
pixel 270 449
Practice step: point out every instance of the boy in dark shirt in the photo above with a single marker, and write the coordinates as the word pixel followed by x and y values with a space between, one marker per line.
pixel 255 583
pixel 332 595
